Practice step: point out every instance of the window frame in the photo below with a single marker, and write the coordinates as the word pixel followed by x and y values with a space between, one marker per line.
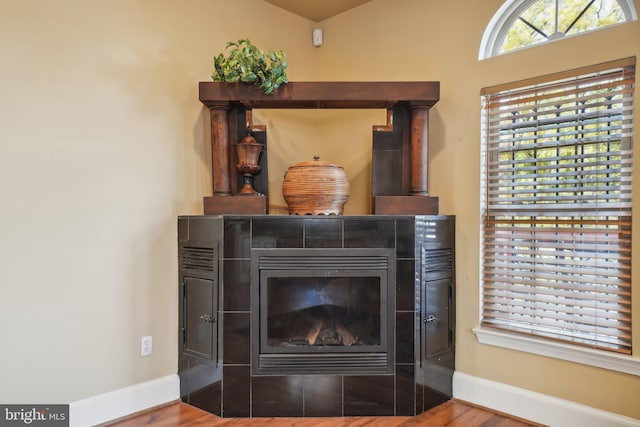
pixel 586 356
pixel 504 18
pixel 566 351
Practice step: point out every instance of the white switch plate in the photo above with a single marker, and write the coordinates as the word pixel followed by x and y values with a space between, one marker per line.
pixel 146 346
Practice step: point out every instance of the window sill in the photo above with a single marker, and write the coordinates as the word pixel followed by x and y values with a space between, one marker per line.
pixel 586 356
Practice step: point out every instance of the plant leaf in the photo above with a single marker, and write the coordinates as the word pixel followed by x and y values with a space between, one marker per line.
pixel 248 64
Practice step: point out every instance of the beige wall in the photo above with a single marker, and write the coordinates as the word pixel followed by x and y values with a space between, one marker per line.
pixel 103 143
pixel 439 40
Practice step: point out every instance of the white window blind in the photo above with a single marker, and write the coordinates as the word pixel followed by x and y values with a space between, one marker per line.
pixel 556 190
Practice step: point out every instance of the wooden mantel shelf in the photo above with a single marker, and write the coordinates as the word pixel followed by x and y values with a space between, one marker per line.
pixel 400 147
pixel 307 95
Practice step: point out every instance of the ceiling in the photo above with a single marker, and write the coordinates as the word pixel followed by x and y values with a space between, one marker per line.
pixel 317 10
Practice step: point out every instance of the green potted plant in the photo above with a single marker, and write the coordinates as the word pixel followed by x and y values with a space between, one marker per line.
pixel 247 64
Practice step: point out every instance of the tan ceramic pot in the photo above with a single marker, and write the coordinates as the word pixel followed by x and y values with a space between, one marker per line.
pixel 315 188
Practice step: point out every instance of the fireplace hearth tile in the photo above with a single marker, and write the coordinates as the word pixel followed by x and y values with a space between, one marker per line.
pixel 369 233
pixel 405 390
pixel 183 229
pixel 236 389
pixel 237 238
pixel 323 233
pixel 404 337
pixel 184 373
pixel 405 238
pixel 433 398
pixel 208 398
pixel 419 390
pixel 282 232
pixel 322 396
pixel 236 342
pixel 405 284
pixel 200 384
pixel 277 396
pixel 207 228
pixel 237 285
pixel 368 395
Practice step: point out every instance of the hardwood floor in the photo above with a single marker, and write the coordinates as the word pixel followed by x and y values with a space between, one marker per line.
pixel 453 414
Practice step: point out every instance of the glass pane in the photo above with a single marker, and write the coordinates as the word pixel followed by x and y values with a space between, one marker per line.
pixel 538 24
pixel 323 311
pixel 542 14
pixel 520 35
pixel 599 14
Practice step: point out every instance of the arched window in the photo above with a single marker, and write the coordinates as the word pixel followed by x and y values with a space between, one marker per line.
pixel 523 23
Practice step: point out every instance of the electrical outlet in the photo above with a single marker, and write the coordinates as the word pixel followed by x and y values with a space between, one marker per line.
pixel 146 346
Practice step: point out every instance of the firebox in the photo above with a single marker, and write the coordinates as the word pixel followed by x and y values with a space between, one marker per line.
pixel 322 311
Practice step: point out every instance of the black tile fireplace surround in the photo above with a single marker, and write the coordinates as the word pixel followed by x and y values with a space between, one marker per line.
pixel 396 277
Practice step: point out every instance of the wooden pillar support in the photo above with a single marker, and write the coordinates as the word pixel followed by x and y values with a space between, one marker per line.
pixel 220 151
pixel 419 151
pixel 413 198
pixel 223 201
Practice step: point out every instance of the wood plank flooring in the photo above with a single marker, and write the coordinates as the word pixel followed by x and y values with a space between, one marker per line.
pixel 452 414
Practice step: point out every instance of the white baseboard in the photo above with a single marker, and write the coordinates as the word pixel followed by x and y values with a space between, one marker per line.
pixel 533 406
pixel 500 397
pixel 125 401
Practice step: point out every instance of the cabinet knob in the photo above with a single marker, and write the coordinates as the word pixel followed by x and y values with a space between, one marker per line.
pixel 207 318
pixel 430 318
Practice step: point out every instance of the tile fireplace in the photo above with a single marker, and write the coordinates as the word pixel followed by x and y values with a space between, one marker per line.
pixel 316 316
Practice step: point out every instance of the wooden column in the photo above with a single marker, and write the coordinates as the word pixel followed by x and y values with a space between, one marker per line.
pixel 419 151
pixel 223 201
pixel 220 151
pixel 416 199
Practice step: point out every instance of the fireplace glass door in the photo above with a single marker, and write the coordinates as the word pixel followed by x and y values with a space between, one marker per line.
pixel 314 313
pixel 316 310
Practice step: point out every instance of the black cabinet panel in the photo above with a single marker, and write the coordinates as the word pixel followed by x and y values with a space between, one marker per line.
pixel 199 240
pixel 436 272
pixel 200 318
pixel 436 317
